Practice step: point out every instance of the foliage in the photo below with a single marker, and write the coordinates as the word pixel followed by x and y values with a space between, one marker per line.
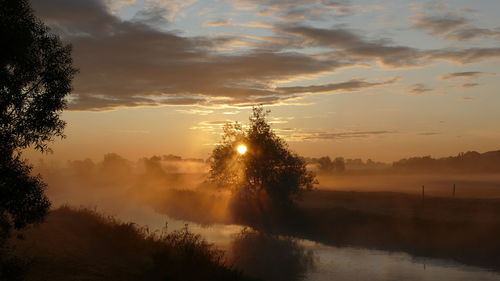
pixel 22 199
pixel 35 77
pixel 339 164
pixel 325 164
pixel 468 162
pixel 268 168
pixel 81 244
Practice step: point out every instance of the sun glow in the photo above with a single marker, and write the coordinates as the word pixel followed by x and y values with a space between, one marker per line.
pixel 242 149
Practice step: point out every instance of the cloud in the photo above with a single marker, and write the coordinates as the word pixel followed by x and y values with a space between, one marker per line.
pixel 298 10
pixel 343 135
pixel 468 99
pixel 116 5
pixel 464 56
pixel 341 8
pixel 469 85
pixel 451 26
pixel 428 133
pixel 439 25
pixel 220 22
pixel 131 63
pixel 465 74
pixel 349 86
pixel 196 111
pixel 352 44
pixel 213 127
pixel 171 8
pixel 141 62
pixel 420 88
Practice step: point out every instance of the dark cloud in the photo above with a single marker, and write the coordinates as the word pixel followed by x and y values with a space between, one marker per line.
pixel 344 135
pixel 342 8
pixel 465 74
pixel 304 13
pixel 132 63
pixel 382 50
pixel 428 134
pixel 469 85
pixel 439 25
pixel 138 63
pixel 351 85
pixel 464 56
pixel 468 99
pixel 452 27
pixel 420 88
pixel 355 45
pixel 299 10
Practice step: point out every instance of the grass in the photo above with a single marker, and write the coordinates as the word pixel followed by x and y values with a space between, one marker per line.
pixel 80 244
pixel 463 230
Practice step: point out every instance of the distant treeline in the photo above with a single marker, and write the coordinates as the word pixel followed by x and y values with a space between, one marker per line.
pixel 472 161
pixel 339 164
pixel 464 162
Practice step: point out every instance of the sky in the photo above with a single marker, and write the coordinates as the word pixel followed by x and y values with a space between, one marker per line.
pixel 360 79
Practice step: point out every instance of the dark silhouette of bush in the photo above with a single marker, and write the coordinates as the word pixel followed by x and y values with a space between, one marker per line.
pixel 268 173
pixel 22 201
pixel 84 245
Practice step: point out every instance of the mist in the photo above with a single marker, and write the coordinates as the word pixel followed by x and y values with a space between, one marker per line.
pixel 380 208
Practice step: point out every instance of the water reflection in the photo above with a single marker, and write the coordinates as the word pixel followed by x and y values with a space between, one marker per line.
pixel 348 264
pixel 277 258
pixel 270 257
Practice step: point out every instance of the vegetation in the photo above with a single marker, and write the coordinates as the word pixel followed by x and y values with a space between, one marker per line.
pixel 326 165
pixel 80 244
pixel 472 161
pixel 35 77
pixel 268 171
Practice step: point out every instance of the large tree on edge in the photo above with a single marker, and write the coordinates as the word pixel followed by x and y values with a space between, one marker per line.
pixel 35 78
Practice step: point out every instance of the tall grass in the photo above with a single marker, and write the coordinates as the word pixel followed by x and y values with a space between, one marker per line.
pixel 81 244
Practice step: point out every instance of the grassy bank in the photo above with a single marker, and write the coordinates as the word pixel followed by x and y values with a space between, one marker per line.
pixel 84 245
pixel 463 230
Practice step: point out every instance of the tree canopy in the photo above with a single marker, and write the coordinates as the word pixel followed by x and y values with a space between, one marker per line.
pixel 268 167
pixel 35 77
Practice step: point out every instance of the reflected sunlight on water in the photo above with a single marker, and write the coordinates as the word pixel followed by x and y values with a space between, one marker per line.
pixel 347 264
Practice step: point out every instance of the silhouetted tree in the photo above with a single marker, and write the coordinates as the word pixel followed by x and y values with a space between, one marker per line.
pixel 325 164
pixel 35 77
pixel 339 164
pixel 267 171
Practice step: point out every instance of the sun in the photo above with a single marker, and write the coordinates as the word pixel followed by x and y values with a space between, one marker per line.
pixel 242 149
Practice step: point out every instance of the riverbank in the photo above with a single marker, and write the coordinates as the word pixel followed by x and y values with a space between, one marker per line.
pixel 80 244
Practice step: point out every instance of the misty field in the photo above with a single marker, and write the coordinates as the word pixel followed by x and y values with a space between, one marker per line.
pixel 436 184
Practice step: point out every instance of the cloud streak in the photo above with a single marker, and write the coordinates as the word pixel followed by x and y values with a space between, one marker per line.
pixel 465 74
pixel 451 26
